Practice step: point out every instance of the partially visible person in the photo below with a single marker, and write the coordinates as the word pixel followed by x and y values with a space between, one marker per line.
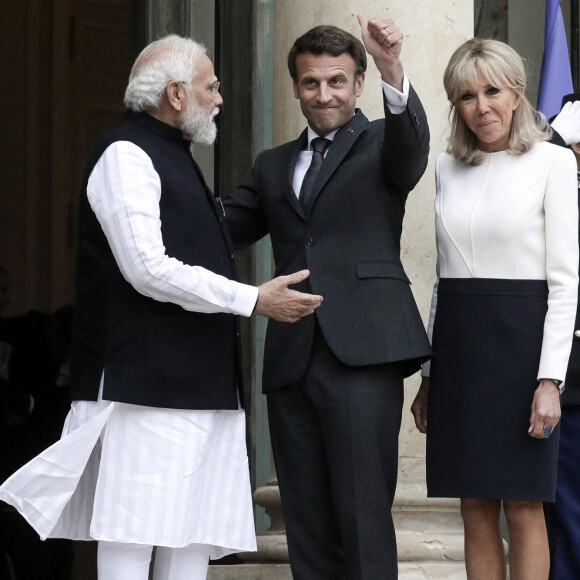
pixel 33 405
pixel 563 516
pixel 502 314
pixel 566 124
pixel 153 452
pixel 34 398
pixel 34 347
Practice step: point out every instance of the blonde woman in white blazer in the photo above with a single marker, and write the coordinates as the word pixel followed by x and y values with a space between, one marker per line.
pixel 502 313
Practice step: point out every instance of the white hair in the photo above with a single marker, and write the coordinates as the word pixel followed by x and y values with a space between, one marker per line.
pixel 172 58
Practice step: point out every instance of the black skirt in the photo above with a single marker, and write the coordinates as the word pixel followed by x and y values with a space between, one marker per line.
pixel 487 340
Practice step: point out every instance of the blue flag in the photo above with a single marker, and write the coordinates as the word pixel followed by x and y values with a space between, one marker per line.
pixel 556 75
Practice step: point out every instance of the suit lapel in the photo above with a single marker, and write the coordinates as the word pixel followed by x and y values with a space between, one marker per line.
pixel 288 174
pixel 341 145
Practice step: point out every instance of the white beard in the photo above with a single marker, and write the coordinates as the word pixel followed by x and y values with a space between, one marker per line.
pixel 198 124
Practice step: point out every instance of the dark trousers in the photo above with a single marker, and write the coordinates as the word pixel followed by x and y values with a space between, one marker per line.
pixel 563 517
pixel 335 443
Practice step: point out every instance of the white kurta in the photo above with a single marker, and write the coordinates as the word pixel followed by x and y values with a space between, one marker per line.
pixel 137 474
pixel 514 217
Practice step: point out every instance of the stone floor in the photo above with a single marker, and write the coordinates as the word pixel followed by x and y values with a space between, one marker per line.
pixel 250 572
pixel 407 571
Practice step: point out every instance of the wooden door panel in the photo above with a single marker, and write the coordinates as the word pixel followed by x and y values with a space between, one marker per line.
pixel 92 67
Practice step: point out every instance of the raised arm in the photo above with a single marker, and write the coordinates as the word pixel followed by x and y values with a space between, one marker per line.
pixel 405 147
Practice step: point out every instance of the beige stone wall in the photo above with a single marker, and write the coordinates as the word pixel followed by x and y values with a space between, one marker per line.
pixel 432 30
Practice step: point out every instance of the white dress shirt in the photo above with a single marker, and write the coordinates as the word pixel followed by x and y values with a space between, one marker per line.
pixel 397 103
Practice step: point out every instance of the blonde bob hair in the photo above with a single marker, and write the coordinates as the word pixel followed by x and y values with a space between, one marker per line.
pixel 501 66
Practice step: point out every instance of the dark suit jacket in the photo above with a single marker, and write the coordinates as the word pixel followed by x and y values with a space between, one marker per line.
pixel 571 394
pixel 349 239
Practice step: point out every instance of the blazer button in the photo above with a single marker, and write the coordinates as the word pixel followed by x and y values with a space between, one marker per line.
pixel 577 333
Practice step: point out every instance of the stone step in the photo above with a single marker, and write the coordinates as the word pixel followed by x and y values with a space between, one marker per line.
pixel 407 571
pixel 250 572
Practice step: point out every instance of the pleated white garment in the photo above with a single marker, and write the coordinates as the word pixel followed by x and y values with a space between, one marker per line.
pixel 143 475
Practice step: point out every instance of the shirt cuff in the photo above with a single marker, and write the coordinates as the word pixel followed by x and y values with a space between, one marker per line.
pixel 245 300
pixel 396 100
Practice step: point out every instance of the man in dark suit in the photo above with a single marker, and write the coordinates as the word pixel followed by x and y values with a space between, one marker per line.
pixel 335 380
pixel 563 517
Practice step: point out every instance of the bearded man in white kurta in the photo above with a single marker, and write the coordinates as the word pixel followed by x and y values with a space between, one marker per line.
pixel 153 451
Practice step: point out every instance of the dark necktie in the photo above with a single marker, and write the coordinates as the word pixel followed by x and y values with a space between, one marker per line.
pixel 319 146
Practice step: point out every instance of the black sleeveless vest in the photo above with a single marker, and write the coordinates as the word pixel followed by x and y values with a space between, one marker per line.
pixel 155 353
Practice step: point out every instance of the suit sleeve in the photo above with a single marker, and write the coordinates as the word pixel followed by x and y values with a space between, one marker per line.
pixel 244 212
pixel 426 368
pixel 405 147
pixel 561 219
pixel 556 139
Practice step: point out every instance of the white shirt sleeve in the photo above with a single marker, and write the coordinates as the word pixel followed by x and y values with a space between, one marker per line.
pixel 124 191
pixel 396 100
pixel 561 219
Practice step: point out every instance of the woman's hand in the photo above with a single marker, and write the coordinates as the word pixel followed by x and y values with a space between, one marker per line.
pixel 419 406
pixel 545 410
